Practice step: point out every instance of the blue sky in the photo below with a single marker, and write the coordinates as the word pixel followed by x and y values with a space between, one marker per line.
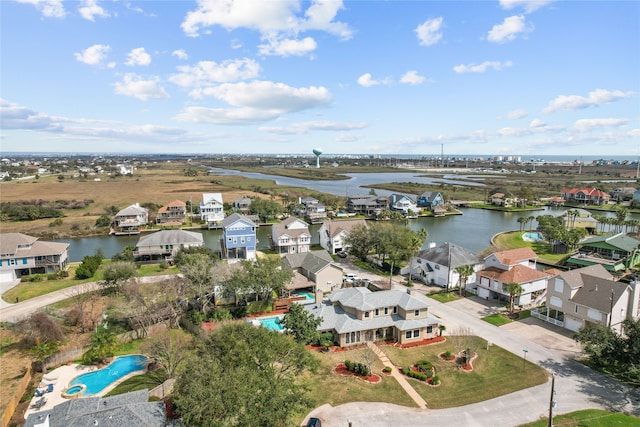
pixel 282 76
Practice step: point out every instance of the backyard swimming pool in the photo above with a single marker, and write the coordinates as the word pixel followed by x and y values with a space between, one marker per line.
pixel 97 381
pixel 532 236
pixel 270 323
pixel 308 296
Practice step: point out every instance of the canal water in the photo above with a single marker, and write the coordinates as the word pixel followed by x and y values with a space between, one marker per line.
pixel 472 230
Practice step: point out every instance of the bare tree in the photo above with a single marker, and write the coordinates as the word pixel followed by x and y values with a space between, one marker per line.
pixel 84 301
pixel 170 349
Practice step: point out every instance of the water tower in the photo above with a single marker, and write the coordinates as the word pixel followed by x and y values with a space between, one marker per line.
pixel 317 152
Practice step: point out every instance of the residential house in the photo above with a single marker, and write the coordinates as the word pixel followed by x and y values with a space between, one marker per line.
pixel 616 252
pixel 590 295
pixel 623 193
pixel 431 200
pixel 315 270
pixel 22 255
pixel 125 169
pixel 580 218
pixel 238 238
pixel 437 265
pixel 404 204
pixel 369 206
pixel 212 209
pixel 131 218
pixel 504 200
pixel 357 315
pixel 291 236
pixel 164 244
pixel 173 213
pixel 312 210
pixel 132 408
pixel 587 196
pixel 512 266
pixel 241 205
pixel 333 234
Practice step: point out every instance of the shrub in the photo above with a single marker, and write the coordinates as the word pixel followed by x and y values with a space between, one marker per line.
pixel 349 365
pixel 447 354
pixel 55 222
pixel 387 369
pixel 90 264
pixel 417 375
pixel 406 370
pixel 36 278
pixel 435 380
pixel 424 365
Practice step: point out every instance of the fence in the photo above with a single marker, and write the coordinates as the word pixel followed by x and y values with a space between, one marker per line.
pixel 15 400
pixel 163 389
pixel 538 314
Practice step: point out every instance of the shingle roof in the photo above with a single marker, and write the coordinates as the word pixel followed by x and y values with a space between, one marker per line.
pixel 363 299
pixel 450 255
pixel 597 292
pixel 517 274
pixel 282 228
pixel 235 217
pixel 514 256
pixel 334 228
pixel 313 261
pixel 10 242
pixel 134 209
pixel 574 277
pixel 170 237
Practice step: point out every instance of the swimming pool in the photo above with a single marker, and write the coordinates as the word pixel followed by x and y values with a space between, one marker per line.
pixel 307 295
pixel 532 236
pixel 270 323
pixel 97 381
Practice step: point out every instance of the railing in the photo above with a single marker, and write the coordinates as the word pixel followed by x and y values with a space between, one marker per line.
pixel 537 314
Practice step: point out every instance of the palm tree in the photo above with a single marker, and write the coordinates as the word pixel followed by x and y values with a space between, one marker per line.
pixel 621 216
pixel 531 219
pixel 514 290
pixel 521 221
pixel 464 271
pixel 417 240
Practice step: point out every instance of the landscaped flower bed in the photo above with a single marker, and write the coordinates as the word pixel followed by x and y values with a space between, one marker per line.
pixel 341 369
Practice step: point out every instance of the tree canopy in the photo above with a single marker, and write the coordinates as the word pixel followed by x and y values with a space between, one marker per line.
pixel 242 375
pixel 301 325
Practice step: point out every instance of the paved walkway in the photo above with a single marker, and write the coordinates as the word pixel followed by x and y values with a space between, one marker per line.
pixel 398 376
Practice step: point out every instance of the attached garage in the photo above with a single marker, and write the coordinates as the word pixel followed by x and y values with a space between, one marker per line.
pixel 6 276
pixel 572 324
pixel 483 293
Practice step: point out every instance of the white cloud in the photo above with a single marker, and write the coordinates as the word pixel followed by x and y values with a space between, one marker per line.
pixel 48 8
pixel 288 47
pixel 528 5
pixel 515 114
pixel 412 77
pixel 14 116
pixel 537 123
pixel 429 31
pixel 90 9
pixel 221 116
pixel 595 98
pixel 138 87
pixel 207 73
pixel 274 20
pixel 366 80
pixel 585 125
pixel 306 127
pixel 508 30
pixel 138 56
pixel 347 137
pixel 180 54
pixel 93 55
pixel 481 68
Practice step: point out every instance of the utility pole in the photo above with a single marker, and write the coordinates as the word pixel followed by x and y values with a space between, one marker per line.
pixel 552 401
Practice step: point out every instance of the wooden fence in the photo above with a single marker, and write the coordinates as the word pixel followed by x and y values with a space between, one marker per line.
pixel 15 400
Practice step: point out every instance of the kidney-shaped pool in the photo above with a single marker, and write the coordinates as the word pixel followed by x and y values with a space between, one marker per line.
pixel 97 381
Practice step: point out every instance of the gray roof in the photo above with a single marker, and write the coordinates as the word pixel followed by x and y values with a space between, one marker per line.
pixel 171 237
pixel 20 244
pixel 363 299
pixel 313 261
pixel 282 228
pixel 597 292
pixel 132 210
pixel 450 255
pixel 129 409
pixel 574 277
pixel 235 217
pixel 338 226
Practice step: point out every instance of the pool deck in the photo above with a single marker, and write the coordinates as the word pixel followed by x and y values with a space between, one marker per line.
pixel 60 378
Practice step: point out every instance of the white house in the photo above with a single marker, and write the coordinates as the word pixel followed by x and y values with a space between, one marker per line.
pixel 291 236
pixel 22 255
pixel 403 204
pixel 131 218
pixel 333 234
pixel 437 265
pixel 212 209
pixel 512 266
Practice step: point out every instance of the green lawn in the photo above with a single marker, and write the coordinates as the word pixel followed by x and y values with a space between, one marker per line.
pixel 513 240
pixel 496 372
pixel 445 297
pixel 147 381
pixel 588 418
pixel 28 290
pixel 496 319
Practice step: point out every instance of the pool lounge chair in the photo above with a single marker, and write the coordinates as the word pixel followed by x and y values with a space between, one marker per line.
pixel 49 388
pixel 39 403
pixel 39 393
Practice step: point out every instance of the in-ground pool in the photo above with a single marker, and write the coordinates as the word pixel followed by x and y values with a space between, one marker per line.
pixel 532 236
pixel 270 323
pixel 307 295
pixel 97 381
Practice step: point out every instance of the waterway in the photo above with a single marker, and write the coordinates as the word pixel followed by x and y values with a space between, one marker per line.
pixel 472 230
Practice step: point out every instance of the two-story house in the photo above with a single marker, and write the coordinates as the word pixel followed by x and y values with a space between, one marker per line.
pixel 163 245
pixel 238 238
pixel 588 196
pixel 334 233
pixel 317 271
pixel 291 236
pixel 431 200
pixel 241 205
pixel 579 218
pixel 131 218
pixel 502 199
pixel 512 266
pixel 312 210
pixel 615 252
pixel 22 255
pixel 404 204
pixel 590 295
pixel 437 265
pixel 212 209
pixel 173 213
pixel 357 315
pixel 369 206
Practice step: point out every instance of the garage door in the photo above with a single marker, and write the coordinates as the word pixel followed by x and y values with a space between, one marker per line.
pixel 6 276
pixel 572 324
pixel 483 293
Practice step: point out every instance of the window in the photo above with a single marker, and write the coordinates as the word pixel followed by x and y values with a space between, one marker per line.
pixel 416 333
pixel 429 329
pixel 555 301
pixel 558 285
pixel 395 310
pixel 416 312
pixel 346 336
pixel 576 308
pixel 386 310
pixel 235 240
pixel 242 240
pixel 407 335
pixel 366 314
pixel 377 312
pixel 24 260
pixel 437 267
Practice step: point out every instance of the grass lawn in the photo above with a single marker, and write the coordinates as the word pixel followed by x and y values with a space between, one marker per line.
pixel 496 319
pixel 139 382
pixel 496 372
pixel 513 240
pixel 28 290
pixel 445 297
pixel 588 418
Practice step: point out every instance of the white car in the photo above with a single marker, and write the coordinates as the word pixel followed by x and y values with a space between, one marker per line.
pixel 350 278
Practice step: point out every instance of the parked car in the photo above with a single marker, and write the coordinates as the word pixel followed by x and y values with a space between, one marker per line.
pixel 350 278
pixel 342 254
pixel 314 422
